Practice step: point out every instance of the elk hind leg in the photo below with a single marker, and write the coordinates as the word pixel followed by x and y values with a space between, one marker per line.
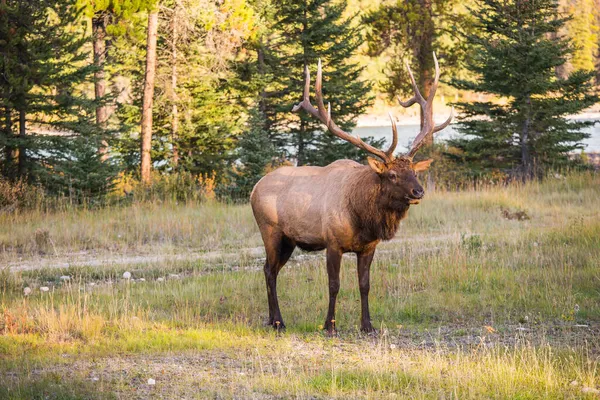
pixel 278 249
pixel 334 259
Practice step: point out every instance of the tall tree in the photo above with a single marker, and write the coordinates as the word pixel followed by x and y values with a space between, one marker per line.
pixel 305 31
pixel 147 100
pixel 105 15
pixel 410 30
pixel 515 53
pixel 582 28
pixel 195 118
pixel 44 74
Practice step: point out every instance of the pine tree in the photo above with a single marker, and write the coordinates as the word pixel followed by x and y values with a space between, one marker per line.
pixel 256 154
pixel 45 71
pixel 107 17
pixel 411 30
pixel 515 54
pixel 582 29
pixel 305 31
pixel 200 101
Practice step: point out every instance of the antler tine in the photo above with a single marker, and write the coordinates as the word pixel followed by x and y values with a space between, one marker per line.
pixel 408 102
pixel 445 123
pixel 428 126
pixel 390 151
pixel 324 115
pixel 319 93
pixel 418 96
pixel 436 79
pixel 305 103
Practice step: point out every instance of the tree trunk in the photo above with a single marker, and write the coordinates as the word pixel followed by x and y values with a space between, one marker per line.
pixel 22 156
pixel 526 162
pixel 99 37
pixel 262 103
pixel 174 110
pixel 9 152
pixel 148 98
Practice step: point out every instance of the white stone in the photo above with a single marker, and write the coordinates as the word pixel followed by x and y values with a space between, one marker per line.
pixel 44 288
pixel 65 278
pixel 160 279
pixel 126 275
pixel 142 280
pixel 151 381
pixel 174 276
pixel 27 291
pixel 590 390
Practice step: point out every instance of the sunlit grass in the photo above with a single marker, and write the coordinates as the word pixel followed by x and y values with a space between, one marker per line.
pixel 469 304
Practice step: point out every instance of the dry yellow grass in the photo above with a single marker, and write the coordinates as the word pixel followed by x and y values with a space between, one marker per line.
pixel 469 304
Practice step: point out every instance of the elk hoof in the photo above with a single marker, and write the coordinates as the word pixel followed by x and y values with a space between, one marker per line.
pixel 330 328
pixel 278 325
pixel 368 328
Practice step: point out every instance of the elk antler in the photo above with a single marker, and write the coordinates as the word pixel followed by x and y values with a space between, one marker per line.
pixel 325 117
pixel 429 126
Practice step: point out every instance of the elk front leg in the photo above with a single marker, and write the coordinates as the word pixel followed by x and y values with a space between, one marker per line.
pixel 334 259
pixel 364 267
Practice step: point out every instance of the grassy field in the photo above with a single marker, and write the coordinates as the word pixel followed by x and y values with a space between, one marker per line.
pixel 483 294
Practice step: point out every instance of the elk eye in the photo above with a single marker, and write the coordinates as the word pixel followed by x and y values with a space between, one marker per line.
pixel 393 176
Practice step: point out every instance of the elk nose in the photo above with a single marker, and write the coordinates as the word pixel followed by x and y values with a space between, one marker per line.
pixel 418 193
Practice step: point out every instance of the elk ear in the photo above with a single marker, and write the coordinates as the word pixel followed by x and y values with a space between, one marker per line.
pixel 377 165
pixel 422 165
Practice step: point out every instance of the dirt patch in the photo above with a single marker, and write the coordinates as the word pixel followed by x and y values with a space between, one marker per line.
pixel 85 259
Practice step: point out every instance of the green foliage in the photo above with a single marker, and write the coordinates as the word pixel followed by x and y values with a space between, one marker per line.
pixel 410 31
pixel 304 32
pixel 44 70
pixel 583 31
pixel 256 154
pixel 514 56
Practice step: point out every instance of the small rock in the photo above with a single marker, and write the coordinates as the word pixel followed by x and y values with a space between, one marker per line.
pixel 151 381
pixel 174 276
pixel 142 280
pixel 65 278
pixel 574 383
pixel 590 390
pixel 160 279
pixel 92 283
pixel 126 275
pixel 44 288
pixel 576 308
pixel 392 346
pixel 27 291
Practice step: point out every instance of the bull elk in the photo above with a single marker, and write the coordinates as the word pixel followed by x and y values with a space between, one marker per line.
pixel 345 207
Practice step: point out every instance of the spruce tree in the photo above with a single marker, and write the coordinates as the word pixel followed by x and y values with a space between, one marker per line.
pixel 45 77
pixel 305 31
pixel 411 30
pixel 256 154
pixel 516 52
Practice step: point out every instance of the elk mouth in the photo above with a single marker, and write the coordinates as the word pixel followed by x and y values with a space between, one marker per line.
pixel 415 197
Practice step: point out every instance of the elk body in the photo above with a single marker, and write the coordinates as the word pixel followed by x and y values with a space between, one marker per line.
pixel 345 207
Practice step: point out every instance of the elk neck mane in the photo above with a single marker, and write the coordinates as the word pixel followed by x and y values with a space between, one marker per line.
pixel 372 213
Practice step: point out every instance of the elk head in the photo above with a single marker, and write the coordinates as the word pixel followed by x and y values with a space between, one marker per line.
pixel 398 174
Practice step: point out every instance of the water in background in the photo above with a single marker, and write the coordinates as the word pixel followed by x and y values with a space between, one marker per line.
pixel 406 133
